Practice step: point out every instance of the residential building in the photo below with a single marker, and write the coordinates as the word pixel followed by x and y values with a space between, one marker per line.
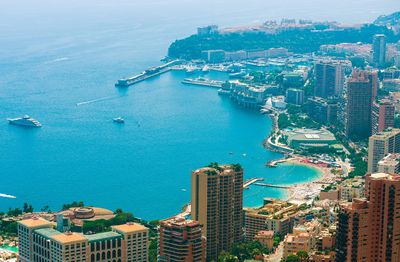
pixel 322 110
pixel 379 50
pixel 329 79
pixel 383 194
pixel 382 115
pixel 266 238
pixel 181 240
pixel 359 106
pixel 353 232
pixel 380 145
pixel 217 203
pixel 295 96
pixel 275 216
pixel 368 228
pixel 390 164
pixel 40 241
pixel 294 243
pixel 351 188
pixel 213 56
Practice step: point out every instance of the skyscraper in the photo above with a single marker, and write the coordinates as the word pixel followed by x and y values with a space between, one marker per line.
pixel 329 79
pixel 368 229
pixel 359 106
pixel 379 50
pixel 382 116
pixel 181 240
pixel 380 145
pixel 217 203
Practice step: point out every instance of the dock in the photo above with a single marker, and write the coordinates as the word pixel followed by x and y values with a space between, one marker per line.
pixel 251 181
pixel 203 82
pixel 271 185
pixel 149 73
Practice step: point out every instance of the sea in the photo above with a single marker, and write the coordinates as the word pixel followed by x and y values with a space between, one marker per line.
pixel 59 61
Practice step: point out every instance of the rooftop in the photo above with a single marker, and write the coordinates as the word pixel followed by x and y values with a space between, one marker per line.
pixel 102 236
pixel 35 223
pixel 65 238
pixel 129 228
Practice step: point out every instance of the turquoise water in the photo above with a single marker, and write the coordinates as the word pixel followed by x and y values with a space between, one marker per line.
pixel 62 54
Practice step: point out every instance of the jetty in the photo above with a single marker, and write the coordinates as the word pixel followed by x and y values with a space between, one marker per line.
pixel 203 82
pixel 271 185
pixel 251 181
pixel 149 73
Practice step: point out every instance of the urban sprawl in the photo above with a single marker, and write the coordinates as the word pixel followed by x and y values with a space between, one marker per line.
pixel 333 94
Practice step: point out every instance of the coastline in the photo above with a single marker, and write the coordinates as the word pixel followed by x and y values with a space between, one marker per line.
pixel 309 190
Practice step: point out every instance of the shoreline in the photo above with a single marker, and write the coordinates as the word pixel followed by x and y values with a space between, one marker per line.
pixel 307 191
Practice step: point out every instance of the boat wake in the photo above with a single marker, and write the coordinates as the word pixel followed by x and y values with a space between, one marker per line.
pixel 57 60
pixel 97 100
pixel 7 196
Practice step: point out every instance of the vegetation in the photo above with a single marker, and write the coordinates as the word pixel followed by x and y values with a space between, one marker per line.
pixel 301 256
pixel 299 41
pixel 73 204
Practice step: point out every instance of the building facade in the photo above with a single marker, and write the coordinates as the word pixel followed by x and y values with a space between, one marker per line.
pixel 380 145
pixel 329 79
pixel 359 106
pixel 181 240
pixel 40 242
pixel 217 203
pixel 295 96
pixel 382 116
pixel 379 50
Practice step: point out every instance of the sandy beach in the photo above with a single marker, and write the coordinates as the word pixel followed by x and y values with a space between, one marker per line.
pixel 307 191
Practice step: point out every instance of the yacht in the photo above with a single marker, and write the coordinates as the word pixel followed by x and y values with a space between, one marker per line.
pixel 24 121
pixel 119 120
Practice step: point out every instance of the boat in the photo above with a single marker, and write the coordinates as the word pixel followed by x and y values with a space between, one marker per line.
pixel 119 120
pixel 24 121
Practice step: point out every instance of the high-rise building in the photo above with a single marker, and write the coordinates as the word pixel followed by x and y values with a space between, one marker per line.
pixel 322 110
pixel 329 79
pixel 380 145
pixel 379 50
pixel 353 232
pixel 382 116
pixel 217 203
pixel 181 240
pixel 359 106
pixel 383 194
pixel 39 241
pixel 295 96
pixel 368 229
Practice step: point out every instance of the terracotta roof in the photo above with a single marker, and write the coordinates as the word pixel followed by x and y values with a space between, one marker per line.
pixel 35 222
pixel 69 238
pixel 129 228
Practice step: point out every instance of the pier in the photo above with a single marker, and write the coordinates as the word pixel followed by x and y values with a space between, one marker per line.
pixel 251 181
pixel 271 185
pixel 149 73
pixel 203 82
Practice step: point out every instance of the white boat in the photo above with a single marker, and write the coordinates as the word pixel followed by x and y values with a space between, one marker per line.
pixel 24 121
pixel 119 120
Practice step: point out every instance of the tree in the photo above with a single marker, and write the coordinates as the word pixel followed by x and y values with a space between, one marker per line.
pixel 227 257
pixel 292 258
pixel 27 208
pixel 303 256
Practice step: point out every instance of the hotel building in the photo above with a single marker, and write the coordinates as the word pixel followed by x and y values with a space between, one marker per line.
pixel 217 203
pixel 40 242
pixel 181 240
